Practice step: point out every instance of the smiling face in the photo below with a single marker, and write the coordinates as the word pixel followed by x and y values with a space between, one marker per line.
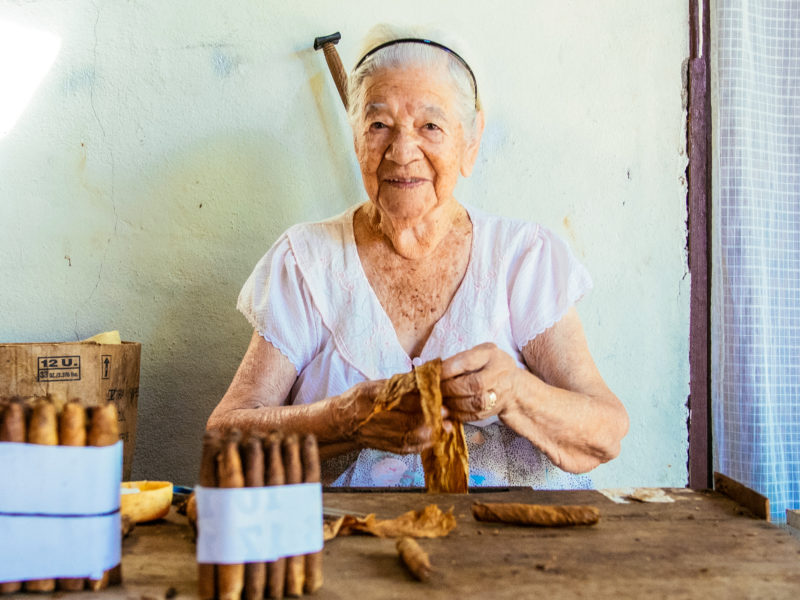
pixel 410 142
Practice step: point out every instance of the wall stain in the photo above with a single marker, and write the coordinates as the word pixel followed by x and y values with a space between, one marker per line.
pixel 78 80
pixel 568 226
pixel 567 223
pixel 224 65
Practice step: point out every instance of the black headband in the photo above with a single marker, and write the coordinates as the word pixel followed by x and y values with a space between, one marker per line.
pixel 429 43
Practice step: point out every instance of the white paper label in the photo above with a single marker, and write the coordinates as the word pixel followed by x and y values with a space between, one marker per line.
pixel 59 480
pixel 47 547
pixel 239 525
pixel 59 510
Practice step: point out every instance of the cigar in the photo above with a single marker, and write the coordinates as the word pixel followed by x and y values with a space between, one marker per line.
pixel 12 429
pixel 311 474
pixel 72 424
pixel 230 578
pixel 276 570
pixel 12 422
pixel 255 574
pixel 104 431
pixel 414 558
pixel 535 514
pixel 43 430
pixel 206 572
pixel 295 565
pixel 72 432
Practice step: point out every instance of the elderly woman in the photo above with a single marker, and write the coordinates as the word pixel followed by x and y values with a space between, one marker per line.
pixel 411 275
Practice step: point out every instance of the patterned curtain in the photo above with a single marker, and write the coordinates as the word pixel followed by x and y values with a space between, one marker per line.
pixel 756 248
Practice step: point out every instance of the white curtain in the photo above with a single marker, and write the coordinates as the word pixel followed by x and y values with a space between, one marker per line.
pixel 756 248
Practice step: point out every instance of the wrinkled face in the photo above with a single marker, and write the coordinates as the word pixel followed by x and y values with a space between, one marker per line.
pixel 410 141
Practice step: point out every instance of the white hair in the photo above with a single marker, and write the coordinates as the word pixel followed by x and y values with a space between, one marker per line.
pixel 403 55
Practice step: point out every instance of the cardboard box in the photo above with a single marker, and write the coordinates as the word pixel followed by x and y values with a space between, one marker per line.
pixel 92 372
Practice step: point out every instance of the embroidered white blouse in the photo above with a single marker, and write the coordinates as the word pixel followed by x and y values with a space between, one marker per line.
pixel 310 298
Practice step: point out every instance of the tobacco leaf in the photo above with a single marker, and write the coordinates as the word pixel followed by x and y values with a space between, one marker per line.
pixel 446 463
pixel 429 522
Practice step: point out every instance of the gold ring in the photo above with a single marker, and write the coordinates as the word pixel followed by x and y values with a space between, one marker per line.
pixel 492 400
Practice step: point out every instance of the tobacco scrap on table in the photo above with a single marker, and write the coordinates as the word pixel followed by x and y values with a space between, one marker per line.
pixel 255 461
pixel 414 558
pixel 535 514
pixel 446 463
pixel 51 425
pixel 429 522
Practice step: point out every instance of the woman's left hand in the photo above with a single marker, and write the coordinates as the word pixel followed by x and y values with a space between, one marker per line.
pixel 478 383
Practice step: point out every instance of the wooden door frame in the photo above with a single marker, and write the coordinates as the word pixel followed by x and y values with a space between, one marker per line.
pixel 698 174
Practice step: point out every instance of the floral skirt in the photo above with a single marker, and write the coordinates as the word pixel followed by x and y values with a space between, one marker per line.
pixel 497 457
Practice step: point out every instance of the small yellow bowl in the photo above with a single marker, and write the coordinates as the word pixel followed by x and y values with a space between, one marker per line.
pixel 145 500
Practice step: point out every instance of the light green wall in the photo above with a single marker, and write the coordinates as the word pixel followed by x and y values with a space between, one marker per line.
pixel 170 142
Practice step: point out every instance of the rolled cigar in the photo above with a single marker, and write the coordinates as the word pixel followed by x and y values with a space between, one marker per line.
pixel 230 578
pixel 414 558
pixel 311 474
pixel 12 423
pixel 12 429
pixel 104 431
pixel 295 565
pixel 275 475
pixel 206 572
pixel 43 426
pixel 72 432
pixel 42 429
pixel 103 426
pixel 72 424
pixel 535 514
pixel 255 574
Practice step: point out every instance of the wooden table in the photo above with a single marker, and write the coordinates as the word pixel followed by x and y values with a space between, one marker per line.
pixel 702 545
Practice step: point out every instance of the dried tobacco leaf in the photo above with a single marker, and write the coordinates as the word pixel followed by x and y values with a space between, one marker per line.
pixel 446 463
pixel 429 522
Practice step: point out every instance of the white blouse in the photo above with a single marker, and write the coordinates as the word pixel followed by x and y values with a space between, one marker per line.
pixel 310 298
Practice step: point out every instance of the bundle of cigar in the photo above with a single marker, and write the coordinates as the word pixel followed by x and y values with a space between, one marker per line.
pixel 37 421
pixel 230 460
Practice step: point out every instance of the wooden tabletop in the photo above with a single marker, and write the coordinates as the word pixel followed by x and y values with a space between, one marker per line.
pixel 702 545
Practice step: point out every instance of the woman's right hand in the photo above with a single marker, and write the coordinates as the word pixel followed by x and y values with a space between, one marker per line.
pixel 400 430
